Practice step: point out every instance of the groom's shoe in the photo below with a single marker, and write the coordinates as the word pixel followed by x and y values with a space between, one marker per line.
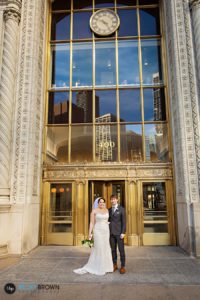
pixel 122 270
pixel 115 267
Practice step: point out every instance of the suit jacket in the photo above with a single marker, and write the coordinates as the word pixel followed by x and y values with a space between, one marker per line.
pixel 117 221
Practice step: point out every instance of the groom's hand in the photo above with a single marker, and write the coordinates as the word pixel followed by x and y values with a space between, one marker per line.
pixel 122 236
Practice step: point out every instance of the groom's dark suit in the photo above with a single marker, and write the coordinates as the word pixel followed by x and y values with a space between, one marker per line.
pixel 117 227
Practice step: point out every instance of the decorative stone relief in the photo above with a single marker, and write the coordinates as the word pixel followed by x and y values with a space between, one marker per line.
pixel 182 91
pixel 27 138
pixel 7 90
pixel 194 3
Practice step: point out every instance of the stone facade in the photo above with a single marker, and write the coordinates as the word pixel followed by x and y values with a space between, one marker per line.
pixel 22 105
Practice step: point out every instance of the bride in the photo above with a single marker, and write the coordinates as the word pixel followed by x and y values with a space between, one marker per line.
pixel 100 260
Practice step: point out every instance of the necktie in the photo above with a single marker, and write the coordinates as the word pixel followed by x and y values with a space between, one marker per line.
pixel 113 210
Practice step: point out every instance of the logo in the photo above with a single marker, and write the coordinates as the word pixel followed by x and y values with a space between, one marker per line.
pixel 9 288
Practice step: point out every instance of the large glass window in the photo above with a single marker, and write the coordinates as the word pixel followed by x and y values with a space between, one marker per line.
pixel 107 95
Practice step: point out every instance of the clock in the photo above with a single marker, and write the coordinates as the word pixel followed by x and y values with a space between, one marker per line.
pixel 104 22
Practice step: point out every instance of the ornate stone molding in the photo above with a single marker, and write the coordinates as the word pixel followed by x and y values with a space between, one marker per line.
pixel 7 88
pixel 194 4
pixel 12 13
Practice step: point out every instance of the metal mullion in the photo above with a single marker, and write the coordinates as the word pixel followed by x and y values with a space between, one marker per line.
pixel 141 87
pixel 70 86
pixel 117 91
pixel 93 92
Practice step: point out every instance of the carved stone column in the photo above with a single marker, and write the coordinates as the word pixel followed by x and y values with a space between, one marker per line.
pixel 7 92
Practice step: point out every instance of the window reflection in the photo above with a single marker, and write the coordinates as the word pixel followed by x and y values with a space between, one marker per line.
pixel 105 108
pixel 104 3
pixel 58 108
pixel 156 139
pixel 81 29
pixel 128 63
pixel 82 107
pixel 149 21
pixel 128 22
pixel 126 2
pixel 154 104
pixel 81 143
pixel 106 142
pixel 61 5
pixel 60 27
pixel 60 65
pixel 155 207
pixel 105 64
pixel 82 64
pixel 131 142
pixel 77 4
pixel 57 145
pixel 151 62
pixel 130 108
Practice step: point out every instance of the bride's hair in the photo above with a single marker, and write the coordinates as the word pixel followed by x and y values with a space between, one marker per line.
pixel 101 199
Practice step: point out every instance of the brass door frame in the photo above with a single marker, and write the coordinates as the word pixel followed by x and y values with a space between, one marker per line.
pixel 158 238
pixel 58 238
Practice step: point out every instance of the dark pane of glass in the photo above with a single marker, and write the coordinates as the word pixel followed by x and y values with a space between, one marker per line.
pixel 106 142
pixel 128 63
pixel 81 28
pixel 58 108
pixel 81 144
pixel 130 110
pixel 149 21
pixel 151 61
pixel 105 64
pixel 154 104
pixel 104 3
pixel 60 214
pixel 57 145
pixel 82 107
pixel 60 27
pixel 128 22
pixel 126 2
pixel 61 5
pixel 82 4
pixel 155 207
pixel 82 64
pixel 148 2
pixel 156 139
pixel 60 65
pixel 105 106
pixel 131 142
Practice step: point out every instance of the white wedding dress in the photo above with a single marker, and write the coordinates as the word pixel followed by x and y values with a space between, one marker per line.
pixel 100 260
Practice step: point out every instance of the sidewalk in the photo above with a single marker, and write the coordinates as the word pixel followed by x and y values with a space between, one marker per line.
pixel 152 273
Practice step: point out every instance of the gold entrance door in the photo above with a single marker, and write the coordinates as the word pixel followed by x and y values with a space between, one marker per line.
pixel 105 189
pixel 59 221
pixel 157 214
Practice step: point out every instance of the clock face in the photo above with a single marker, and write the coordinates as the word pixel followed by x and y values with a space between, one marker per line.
pixel 104 22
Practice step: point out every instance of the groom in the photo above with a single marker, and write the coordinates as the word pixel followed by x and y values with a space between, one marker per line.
pixel 117 221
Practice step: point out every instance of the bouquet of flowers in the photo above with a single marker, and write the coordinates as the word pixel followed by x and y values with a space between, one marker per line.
pixel 87 243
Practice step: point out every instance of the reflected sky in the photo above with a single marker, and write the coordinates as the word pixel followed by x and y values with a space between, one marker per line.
pixel 133 128
pixel 81 27
pixel 128 22
pixel 151 61
pixel 60 65
pixel 130 110
pixel 105 63
pixel 107 104
pixel 128 62
pixel 149 21
pixel 82 64
pixel 60 27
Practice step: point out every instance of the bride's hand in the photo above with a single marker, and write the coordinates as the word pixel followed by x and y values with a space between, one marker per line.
pixel 90 237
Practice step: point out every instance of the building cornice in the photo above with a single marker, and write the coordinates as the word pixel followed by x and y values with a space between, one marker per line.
pixel 194 4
